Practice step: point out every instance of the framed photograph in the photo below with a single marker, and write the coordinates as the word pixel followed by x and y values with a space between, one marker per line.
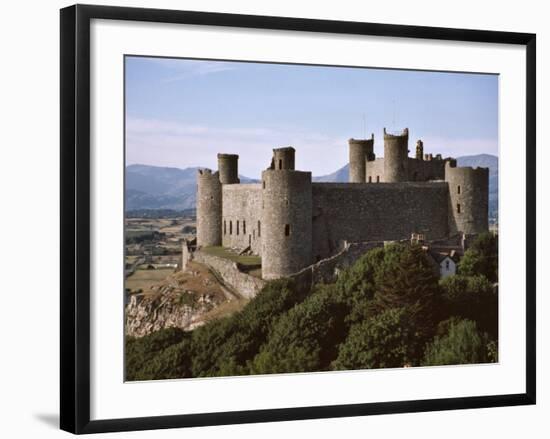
pixel 273 218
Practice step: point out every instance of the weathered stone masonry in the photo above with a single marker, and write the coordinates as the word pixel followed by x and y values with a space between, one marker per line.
pixel 241 215
pixel 376 212
pixel 292 223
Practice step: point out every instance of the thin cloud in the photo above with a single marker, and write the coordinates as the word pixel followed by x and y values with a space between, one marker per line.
pixel 182 69
pixel 171 143
pixel 176 144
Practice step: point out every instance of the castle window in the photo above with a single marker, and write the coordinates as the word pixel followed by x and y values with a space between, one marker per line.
pixel 458 208
pixel 263 184
pixel 224 227
pixel 259 229
pixel 249 239
pixel 377 179
pixel 230 227
pixel 237 227
pixel 244 227
pixel 458 189
pixel 287 229
pixel 280 164
pixel 370 179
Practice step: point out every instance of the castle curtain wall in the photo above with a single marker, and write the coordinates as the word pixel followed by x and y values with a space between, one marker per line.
pixel 375 171
pixel 376 212
pixel 418 170
pixel 425 170
pixel 242 204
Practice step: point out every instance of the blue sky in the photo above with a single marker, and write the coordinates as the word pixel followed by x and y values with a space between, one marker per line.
pixel 181 113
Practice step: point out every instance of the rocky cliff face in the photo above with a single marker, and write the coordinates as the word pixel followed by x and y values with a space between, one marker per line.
pixel 145 315
pixel 185 300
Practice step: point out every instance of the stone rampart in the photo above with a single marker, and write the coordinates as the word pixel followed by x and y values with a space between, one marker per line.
pixel 246 285
pixel 326 270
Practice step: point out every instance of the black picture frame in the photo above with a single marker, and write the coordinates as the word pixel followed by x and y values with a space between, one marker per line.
pixel 75 217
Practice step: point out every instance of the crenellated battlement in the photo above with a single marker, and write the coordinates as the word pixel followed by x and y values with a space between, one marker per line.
pixel 206 173
pixel 388 135
pixel 452 168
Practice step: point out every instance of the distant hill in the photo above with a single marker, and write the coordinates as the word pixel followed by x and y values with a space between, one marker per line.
pixel 339 176
pixel 479 160
pixel 155 187
pixel 158 187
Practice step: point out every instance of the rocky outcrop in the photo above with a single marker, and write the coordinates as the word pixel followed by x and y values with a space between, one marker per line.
pixel 148 314
pixel 182 300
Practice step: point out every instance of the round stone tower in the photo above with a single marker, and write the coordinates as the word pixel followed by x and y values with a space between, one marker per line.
pixel 396 156
pixel 286 222
pixel 360 151
pixel 228 167
pixel 283 158
pixel 468 198
pixel 209 208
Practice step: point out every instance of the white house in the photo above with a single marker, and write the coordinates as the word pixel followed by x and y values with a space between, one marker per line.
pixel 447 262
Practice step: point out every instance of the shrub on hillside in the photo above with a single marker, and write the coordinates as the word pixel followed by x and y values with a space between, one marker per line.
pixel 473 298
pixel 385 340
pixel 304 339
pixel 227 345
pixel 461 343
pixel 139 352
pixel 481 257
pixel 410 282
pixel 170 363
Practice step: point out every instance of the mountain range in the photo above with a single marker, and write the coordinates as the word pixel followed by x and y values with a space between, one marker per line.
pixel 159 187
pixel 155 187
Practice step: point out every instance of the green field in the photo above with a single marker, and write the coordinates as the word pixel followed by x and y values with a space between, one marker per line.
pixel 226 253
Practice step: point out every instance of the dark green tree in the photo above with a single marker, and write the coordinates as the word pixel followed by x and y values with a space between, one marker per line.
pixel 385 340
pixel 473 298
pixel 305 338
pixel 357 284
pixel 140 352
pixel 226 346
pixel 481 257
pixel 411 282
pixel 170 363
pixel 461 343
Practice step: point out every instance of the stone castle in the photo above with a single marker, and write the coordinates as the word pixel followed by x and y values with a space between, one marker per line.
pixel 292 222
